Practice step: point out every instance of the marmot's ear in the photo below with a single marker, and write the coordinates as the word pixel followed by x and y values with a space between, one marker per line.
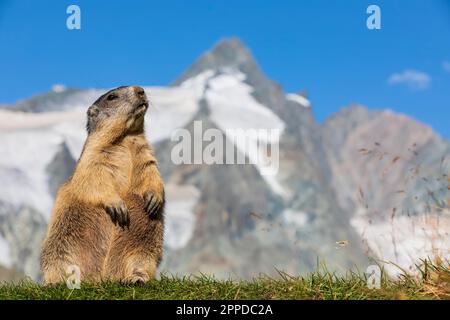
pixel 92 113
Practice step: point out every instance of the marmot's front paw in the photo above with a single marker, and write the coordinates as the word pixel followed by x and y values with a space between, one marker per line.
pixel 119 214
pixel 152 203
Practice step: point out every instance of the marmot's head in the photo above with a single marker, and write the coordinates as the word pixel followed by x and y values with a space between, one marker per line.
pixel 123 104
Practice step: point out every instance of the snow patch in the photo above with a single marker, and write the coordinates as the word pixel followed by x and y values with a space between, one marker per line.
pixel 58 88
pixel 179 212
pixel 170 109
pixel 233 107
pixel 406 240
pixel 74 134
pixel 197 84
pixel 297 218
pixel 23 169
pixel 301 100
pixel 10 120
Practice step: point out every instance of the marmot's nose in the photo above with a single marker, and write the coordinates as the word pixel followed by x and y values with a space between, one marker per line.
pixel 139 91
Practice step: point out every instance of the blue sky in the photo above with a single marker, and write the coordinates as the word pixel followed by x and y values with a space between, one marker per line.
pixel 321 46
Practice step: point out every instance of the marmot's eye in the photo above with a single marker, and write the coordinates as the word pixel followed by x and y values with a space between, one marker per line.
pixel 112 96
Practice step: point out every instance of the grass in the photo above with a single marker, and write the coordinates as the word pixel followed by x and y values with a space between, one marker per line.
pixel 433 283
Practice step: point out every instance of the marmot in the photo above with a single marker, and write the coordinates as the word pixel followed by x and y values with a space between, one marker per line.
pixel 108 217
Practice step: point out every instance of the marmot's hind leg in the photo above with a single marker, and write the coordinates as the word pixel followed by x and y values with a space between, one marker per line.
pixel 136 251
pixel 77 244
pixel 141 269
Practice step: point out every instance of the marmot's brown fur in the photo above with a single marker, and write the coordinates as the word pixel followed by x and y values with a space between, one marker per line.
pixel 108 217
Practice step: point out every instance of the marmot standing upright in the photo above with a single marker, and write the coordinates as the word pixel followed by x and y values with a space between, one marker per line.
pixel 108 217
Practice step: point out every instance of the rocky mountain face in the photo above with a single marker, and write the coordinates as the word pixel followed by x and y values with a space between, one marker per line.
pixel 339 185
pixel 407 162
pixel 391 172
